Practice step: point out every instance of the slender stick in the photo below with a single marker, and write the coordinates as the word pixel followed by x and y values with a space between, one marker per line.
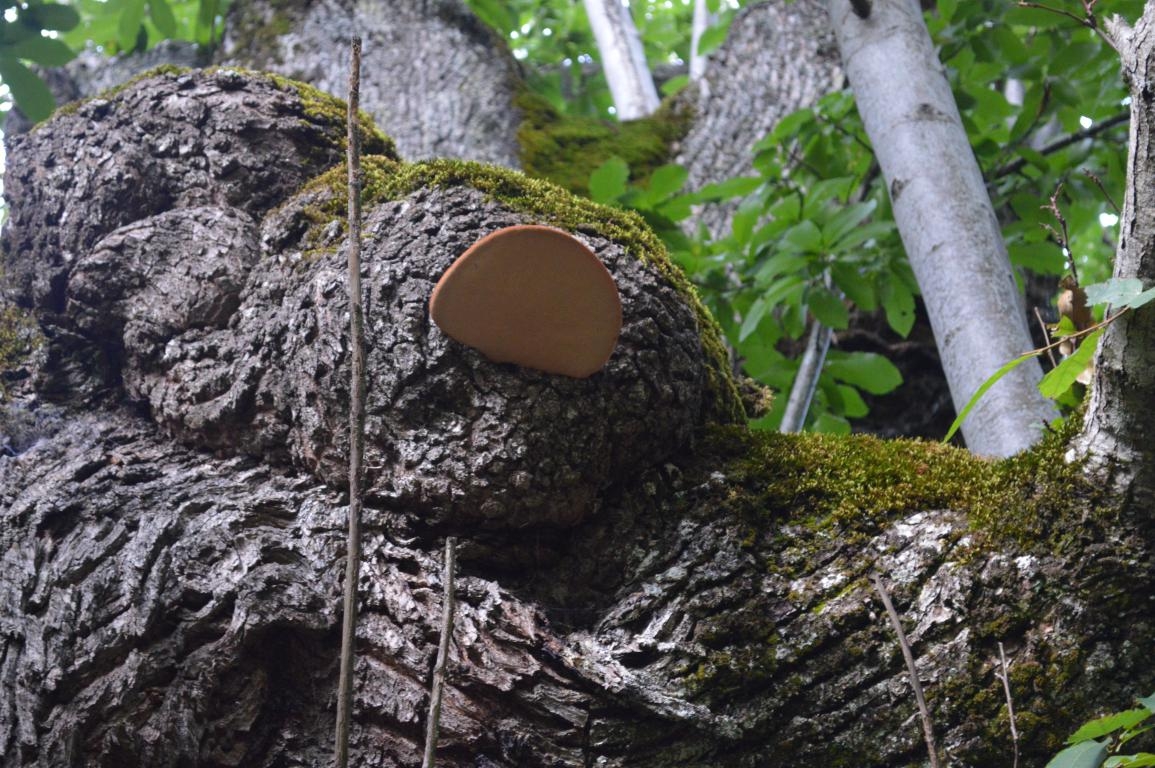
pixel 433 723
pixel 1046 336
pixel 1005 676
pixel 924 713
pixel 356 416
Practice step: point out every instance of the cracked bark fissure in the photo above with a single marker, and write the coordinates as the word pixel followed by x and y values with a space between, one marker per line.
pixel 637 587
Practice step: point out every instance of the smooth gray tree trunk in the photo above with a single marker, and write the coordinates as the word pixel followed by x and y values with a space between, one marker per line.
pixel 623 58
pixel 945 218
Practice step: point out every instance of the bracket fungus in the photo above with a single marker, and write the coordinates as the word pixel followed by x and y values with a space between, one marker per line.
pixel 534 296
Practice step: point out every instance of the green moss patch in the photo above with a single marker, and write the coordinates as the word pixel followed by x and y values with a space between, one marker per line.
pixel 851 486
pixel 566 149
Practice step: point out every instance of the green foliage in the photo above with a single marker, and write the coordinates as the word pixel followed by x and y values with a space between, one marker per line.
pixel 1099 742
pixel 49 34
pixel 553 38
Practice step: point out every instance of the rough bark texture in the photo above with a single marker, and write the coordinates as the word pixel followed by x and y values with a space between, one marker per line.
pixel 1120 419
pixel 944 215
pixel 436 78
pixel 778 57
pixel 638 587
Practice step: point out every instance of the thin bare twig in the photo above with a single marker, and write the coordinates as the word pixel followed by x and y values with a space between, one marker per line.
pixel 923 711
pixel 1064 239
pixel 1005 676
pixel 1106 195
pixel 1046 336
pixel 1087 20
pixel 356 416
pixel 433 723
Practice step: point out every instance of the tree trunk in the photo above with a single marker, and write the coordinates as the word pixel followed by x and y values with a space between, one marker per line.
pixel 623 59
pixel 440 81
pixel 945 219
pixel 1120 420
pixel 642 584
pixel 778 57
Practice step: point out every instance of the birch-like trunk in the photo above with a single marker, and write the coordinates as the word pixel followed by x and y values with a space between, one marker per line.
pixel 1120 419
pixel 945 218
pixel 623 59
pixel 701 22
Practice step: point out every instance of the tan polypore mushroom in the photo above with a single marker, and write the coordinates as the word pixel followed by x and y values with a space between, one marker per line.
pixel 534 296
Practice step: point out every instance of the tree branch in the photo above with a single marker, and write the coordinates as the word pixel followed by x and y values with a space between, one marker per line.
pixel 1063 143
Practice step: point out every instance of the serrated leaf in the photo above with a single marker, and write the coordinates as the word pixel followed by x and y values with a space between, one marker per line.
pixel 161 14
pixel 868 371
pixel 28 90
pixel 1060 378
pixel 982 390
pixel 1117 291
pixel 43 50
pixel 1128 718
pixel 1088 754
pixel 828 309
pixel 608 182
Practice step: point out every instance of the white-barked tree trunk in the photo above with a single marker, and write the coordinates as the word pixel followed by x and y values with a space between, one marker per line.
pixel 945 218
pixel 623 58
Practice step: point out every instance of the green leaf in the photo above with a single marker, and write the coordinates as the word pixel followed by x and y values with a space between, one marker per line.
pixel 785 129
pixel 675 84
pixel 1130 761
pixel 1148 702
pixel 853 405
pixel 1060 378
pixel 28 90
pixel 803 237
pixel 496 14
pixel 872 231
pixel 667 180
pixel 712 38
pixel 753 317
pixel 608 182
pixel 868 371
pixel 779 264
pixel 1103 726
pixel 982 390
pixel 53 16
pixel 1117 291
pixel 42 50
pixel 898 303
pixel 128 27
pixel 828 309
pixel 846 220
pixel 830 424
pixel 739 186
pixel 855 285
pixel 161 14
pixel 1088 754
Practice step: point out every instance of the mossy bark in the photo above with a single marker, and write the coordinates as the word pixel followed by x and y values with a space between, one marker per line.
pixel 644 582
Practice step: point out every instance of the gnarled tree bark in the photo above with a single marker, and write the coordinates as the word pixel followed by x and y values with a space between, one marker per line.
pixel 642 585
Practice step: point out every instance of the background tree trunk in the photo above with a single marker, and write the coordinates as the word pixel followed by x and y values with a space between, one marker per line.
pixel 623 59
pixel 778 57
pixel 642 584
pixel 440 81
pixel 944 215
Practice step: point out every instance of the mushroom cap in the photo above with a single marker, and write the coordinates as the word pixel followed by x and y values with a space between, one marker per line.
pixel 534 296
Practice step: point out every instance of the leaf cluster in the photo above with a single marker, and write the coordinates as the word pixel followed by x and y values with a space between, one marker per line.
pixel 1098 743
